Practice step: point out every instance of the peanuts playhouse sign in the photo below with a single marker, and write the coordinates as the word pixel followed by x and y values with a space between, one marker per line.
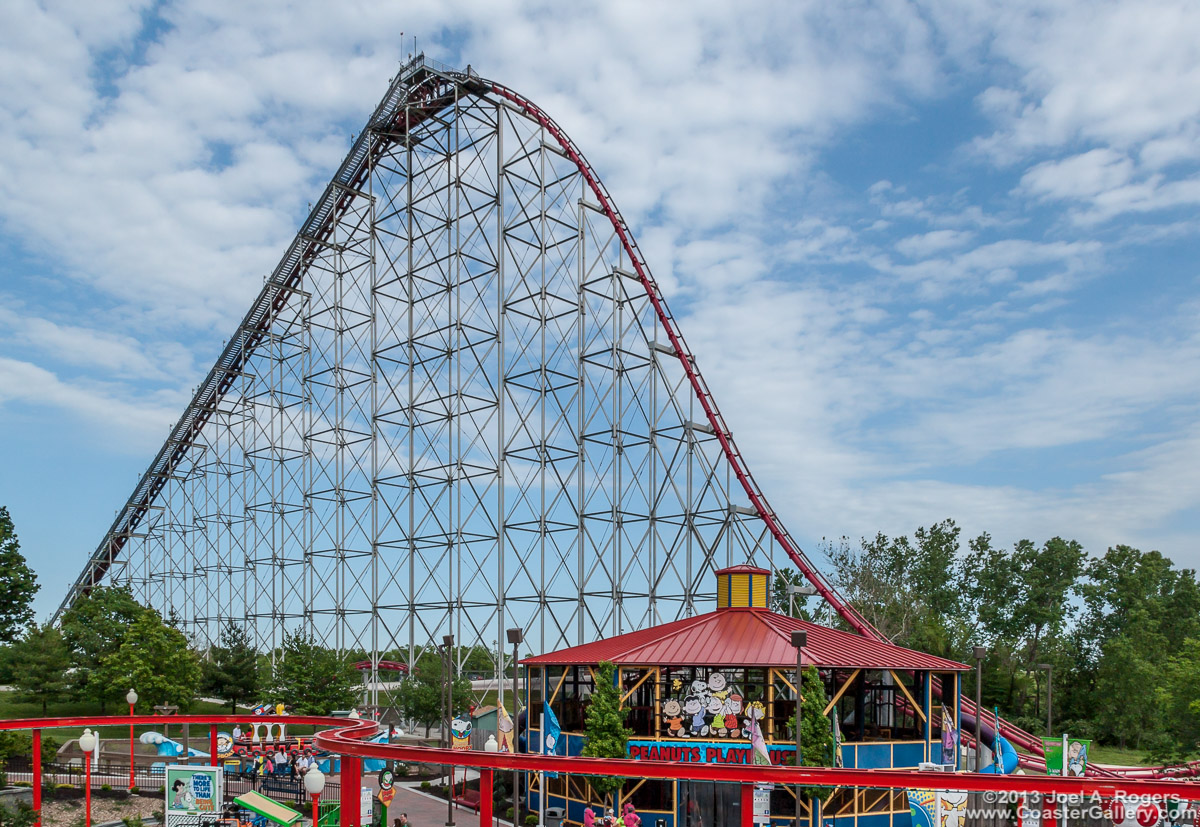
pixel 704 752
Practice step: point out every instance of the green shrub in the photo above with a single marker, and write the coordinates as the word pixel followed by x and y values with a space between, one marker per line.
pixel 531 820
pixel 23 784
pixel 64 786
pixel 426 786
pixel 106 787
pixel 132 821
pixel 25 816
pixel 508 813
pixel 134 790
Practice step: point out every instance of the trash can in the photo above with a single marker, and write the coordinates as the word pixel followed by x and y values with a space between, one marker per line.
pixel 554 817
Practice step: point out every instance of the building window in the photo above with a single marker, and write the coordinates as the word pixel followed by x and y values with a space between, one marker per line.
pixel 652 794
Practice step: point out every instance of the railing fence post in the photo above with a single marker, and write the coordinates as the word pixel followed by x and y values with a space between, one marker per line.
pixel 37 776
pixel 485 797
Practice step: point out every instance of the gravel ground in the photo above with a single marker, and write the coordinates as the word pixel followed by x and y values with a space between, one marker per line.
pixel 68 813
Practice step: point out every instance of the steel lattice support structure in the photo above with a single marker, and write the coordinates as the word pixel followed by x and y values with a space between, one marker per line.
pixel 459 404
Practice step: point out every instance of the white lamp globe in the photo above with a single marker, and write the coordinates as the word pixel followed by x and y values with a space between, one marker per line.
pixel 491 745
pixel 87 741
pixel 314 781
pixel 131 697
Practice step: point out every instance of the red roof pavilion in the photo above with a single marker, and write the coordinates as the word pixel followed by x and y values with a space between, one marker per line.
pixel 744 636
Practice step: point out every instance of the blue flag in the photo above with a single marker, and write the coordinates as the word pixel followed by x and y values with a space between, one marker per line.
pixel 551 732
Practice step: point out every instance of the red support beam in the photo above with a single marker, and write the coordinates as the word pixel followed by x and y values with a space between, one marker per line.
pixel 748 805
pixel 351 780
pixel 37 776
pixel 485 798
pixel 212 746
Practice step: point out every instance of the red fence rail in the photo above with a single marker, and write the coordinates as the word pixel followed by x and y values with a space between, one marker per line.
pixel 346 738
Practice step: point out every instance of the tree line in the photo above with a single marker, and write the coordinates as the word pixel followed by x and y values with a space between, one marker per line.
pixel 1120 630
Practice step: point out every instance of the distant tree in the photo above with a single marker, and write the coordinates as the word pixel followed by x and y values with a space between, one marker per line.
pixel 313 680
pixel 40 663
pixel 94 628
pixel 154 658
pixel 1176 693
pixel 816 730
pixel 421 696
pixel 604 729
pixel 18 584
pixel 232 669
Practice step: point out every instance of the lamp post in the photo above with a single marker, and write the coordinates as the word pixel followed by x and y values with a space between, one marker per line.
pixel 1049 667
pixel 980 653
pixel 448 641
pixel 314 784
pixel 131 698
pixel 87 743
pixel 799 640
pixel 515 637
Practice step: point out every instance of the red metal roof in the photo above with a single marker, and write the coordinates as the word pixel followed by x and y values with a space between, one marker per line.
pixel 743 637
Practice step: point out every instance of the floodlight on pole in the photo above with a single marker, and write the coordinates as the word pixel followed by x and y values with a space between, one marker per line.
pixel 515 637
pixel 799 640
pixel 980 653
pixel 1049 667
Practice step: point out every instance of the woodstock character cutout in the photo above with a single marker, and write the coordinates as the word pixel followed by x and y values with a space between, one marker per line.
pixel 694 707
pixel 673 716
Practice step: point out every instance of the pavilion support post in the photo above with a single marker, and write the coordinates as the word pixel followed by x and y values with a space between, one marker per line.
pixel 212 746
pixel 748 805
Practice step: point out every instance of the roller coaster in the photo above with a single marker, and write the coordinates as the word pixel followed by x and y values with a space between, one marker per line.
pixel 459 404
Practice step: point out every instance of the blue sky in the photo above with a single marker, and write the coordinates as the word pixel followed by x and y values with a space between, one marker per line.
pixel 935 259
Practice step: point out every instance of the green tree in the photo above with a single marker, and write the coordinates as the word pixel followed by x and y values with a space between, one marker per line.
pixel 604 728
pixel 1176 691
pixel 816 730
pixel 421 696
pixel 232 669
pixel 313 680
pixel 40 663
pixel 1125 677
pixel 18 584
pixel 154 658
pixel 94 628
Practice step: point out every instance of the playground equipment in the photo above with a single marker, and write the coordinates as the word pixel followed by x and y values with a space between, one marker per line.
pixel 168 748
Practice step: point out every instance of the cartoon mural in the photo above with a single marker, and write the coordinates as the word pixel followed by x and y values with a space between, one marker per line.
pixel 711 707
pixel 949 738
pixel 460 732
pixel 927 805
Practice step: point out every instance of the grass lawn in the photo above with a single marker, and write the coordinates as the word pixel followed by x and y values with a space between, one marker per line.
pixel 11 708
pixel 1115 755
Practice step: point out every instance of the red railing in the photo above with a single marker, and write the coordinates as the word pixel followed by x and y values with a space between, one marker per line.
pixel 346 738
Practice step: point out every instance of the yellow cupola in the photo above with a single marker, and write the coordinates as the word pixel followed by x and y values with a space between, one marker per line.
pixel 743 587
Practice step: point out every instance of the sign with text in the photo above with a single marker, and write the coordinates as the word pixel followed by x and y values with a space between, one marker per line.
pixel 704 752
pixel 192 790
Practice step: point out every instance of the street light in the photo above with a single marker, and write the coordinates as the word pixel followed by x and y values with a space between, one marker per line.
pixel 448 641
pixel 980 653
pixel 796 589
pixel 314 784
pixel 131 698
pixel 799 640
pixel 1049 667
pixel 515 637
pixel 87 743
